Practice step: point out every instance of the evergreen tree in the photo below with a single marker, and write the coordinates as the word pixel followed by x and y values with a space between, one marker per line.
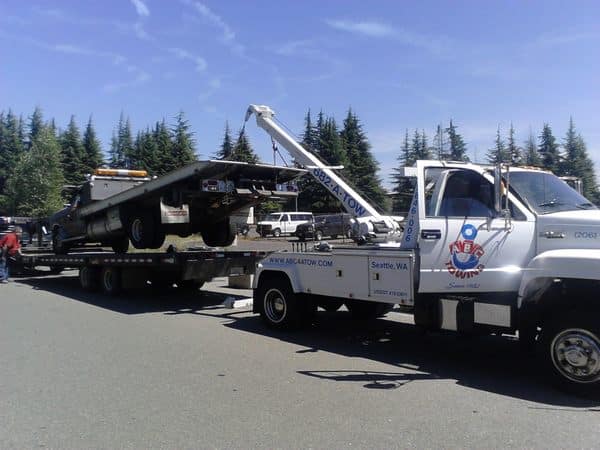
pixel 147 155
pixel 182 147
pixel 310 192
pixel 404 187
pixel 34 188
pixel 578 164
pixel 548 150
pixel 439 143
pixel 126 143
pixel 165 162
pixel 531 156
pixel 72 154
pixel 499 153
pixel 92 151
pixel 242 150
pixel 458 149
pixel 36 124
pixel 226 149
pixel 513 151
pixel 419 147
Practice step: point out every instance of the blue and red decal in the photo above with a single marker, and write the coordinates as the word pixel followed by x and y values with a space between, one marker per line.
pixel 465 254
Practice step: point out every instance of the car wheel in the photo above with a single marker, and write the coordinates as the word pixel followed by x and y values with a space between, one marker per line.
pixel 276 232
pixel 318 235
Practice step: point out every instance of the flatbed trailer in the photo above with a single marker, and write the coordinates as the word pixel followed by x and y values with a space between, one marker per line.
pixel 113 272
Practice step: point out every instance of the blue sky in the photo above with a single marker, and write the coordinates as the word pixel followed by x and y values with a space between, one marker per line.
pixel 398 65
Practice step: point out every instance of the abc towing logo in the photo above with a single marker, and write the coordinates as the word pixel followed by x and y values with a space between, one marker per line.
pixel 465 254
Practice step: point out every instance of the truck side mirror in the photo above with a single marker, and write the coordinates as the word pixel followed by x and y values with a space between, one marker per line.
pixel 498 189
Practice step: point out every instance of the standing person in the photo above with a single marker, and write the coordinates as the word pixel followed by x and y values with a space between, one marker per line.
pixel 10 248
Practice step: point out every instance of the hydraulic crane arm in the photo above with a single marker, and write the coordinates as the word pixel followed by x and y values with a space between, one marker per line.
pixel 352 201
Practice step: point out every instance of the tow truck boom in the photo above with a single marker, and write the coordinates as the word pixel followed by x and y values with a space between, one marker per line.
pixel 352 201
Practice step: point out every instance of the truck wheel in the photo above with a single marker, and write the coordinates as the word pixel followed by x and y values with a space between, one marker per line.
pixel 120 245
pixel 89 278
pixel 570 350
pixel 279 307
pixel 159 238
pixel 111 280
pixel 220 234
pixel 318 235
pixel 276 232
pixel 58 246
pixel 141 230
pixel 364 310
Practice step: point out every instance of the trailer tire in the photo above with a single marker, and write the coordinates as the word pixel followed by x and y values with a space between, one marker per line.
pixel 141 230
pixel 58 246
pixel 280 307
pixel 120 245
pixel 111 280
pixel 219 234
pixel 89 278
pixel 570 352
pixel 365 310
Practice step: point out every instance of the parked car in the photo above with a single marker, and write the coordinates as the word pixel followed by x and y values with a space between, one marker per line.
pixel 280 223
pixel 331 225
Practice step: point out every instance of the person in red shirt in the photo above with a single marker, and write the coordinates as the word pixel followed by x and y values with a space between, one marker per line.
pixel 10 247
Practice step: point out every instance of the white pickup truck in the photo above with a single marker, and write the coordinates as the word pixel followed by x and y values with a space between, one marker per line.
pixel 485 250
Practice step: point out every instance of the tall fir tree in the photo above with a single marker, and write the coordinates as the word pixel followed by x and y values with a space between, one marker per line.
pixel 577 163
pixel 36 124
pixel 242 150
pixel 439 143
pixel 513 151
pixel 72 154
pixel 183 145
pixel 498 153
pixel 531 157
pixel 92 150
pixel 549 151
pixel 458 148
pixel 126 143
pixel 165 162
pixel 226 149
pixel 403 187
pixel 35 187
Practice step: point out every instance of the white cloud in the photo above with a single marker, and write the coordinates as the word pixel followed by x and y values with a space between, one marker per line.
pixel 213 86
pixel 552 39
pixel 369 28
pixel 180 53
pixel 141 8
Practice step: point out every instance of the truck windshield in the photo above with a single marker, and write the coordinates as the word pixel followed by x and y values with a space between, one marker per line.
pixel 545 193
pixel 272 218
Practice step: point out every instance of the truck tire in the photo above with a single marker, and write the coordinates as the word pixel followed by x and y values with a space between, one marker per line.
pixel 570 352
pixel 365 310
pixel 276 232
pixel 89 278
pixel 159 238
pixel 110 280
pixel 58 246
pixel 141 229
pixel 280 308
pixel 220 234
pixel 120 245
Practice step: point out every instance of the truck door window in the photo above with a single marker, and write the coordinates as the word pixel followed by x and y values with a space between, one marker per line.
pixel 285 218
pixel 458 193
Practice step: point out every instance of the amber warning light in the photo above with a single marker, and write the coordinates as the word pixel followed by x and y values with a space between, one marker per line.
pixel 121 173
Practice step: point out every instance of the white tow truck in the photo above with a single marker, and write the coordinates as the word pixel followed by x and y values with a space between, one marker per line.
pixel 370 223
pixel 485 250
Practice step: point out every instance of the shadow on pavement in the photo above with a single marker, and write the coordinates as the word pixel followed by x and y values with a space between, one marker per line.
pixel 487 363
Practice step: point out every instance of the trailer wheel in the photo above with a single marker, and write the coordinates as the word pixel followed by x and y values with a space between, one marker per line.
pixel 220 234
pixel 570 351
pixel 365 310
pixel 120 245
pixel 89 278
pixel 279 307
pixel 141 230
pixel 111 280
pixel 58 246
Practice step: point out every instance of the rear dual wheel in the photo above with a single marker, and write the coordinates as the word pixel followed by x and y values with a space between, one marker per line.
pixel 144 230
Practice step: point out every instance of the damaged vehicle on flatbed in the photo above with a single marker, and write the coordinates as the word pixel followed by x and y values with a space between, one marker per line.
pixel 115 207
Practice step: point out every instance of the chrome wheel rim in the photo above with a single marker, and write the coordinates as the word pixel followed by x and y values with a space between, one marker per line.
pixel 275 305
pixel 137 230
pixel 576 355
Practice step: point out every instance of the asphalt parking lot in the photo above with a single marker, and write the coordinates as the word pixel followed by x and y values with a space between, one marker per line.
pixel 166 370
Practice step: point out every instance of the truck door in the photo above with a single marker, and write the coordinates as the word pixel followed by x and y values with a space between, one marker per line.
pixel 285 224
pixel 464 245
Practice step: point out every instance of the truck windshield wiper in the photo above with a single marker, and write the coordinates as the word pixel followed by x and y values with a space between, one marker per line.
pixel 550 203
pixel 585 205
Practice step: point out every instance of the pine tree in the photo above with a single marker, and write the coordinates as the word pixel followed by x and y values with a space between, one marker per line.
pixel 458 149
pixel 165 162
pixel 310 191
pixel 499 153
pixel 126 143
pixel 531 156
pixel 242 150
pixel 182 147
pixel 548 150
pixel 146 151
pixel 92 151
pixel 513 150
pixel 36 124
pixel 439 143
pixel 404 187
pixel 34 189
pixel 72 154
pixel 578 164
pixel 227 146
pixel 419 147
